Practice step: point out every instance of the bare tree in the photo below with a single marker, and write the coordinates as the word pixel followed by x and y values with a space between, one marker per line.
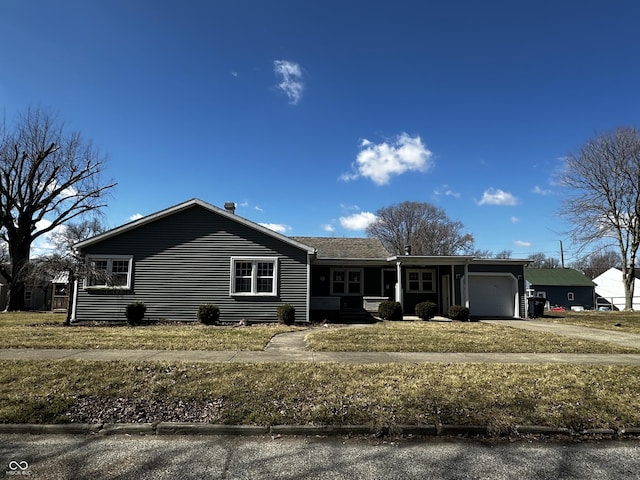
pixel 503 254
pixel 47 177
pixel 65 258
pixel 597 262
pixel 604 202
pixel 540 260
pixel 423 226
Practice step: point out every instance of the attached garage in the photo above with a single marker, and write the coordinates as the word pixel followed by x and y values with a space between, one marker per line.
pixel 493 295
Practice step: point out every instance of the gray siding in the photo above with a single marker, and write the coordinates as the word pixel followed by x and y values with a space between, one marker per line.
pixel 558 295
pixel 183 260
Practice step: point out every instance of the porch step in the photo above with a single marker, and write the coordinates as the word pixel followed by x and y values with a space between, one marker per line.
pixel 356 315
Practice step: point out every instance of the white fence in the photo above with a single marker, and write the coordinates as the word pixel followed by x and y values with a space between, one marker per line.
pixel 615 303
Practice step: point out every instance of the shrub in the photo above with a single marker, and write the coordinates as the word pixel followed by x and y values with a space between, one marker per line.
pixel 426 310
pixel 458 312
pixel 208 314
pixel 286 314
pixel 135 312
pixel 390 310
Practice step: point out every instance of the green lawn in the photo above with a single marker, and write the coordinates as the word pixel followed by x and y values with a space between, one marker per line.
pixel 618 321
pixel 451 337
pixel 499 396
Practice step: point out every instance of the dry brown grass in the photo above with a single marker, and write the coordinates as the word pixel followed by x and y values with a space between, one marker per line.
pixel 29 330
pixel 498 396
pixel 618 321
pixel 467 337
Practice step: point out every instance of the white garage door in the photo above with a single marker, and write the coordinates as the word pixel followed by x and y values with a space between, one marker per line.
pixel 492 295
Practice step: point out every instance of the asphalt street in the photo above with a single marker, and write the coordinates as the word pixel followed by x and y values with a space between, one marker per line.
pixel 124 457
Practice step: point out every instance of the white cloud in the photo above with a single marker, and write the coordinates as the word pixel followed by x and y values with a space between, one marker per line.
pixel 445 190
pixel 349 208
pixel 327 227
pixel 258 209
pixel 497 197
pixel 135 216
pixel 379 162
pixel 522 243
pixel 290 75
pixel 358 221
pixel 541 191
pixel 277 227
pixel 515 219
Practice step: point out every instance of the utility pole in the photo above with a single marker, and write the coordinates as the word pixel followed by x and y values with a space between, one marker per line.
pixel 561 255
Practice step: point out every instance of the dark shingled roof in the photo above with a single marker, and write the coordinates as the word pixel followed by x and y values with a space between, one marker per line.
pixel 330 247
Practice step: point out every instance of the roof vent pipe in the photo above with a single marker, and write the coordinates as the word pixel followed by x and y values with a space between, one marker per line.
pixel 230 207
pixel 407 249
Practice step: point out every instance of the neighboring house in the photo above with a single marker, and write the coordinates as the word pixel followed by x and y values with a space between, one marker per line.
pixel 36 296
pixel 195 253
pixel 610 288
pixel 563 287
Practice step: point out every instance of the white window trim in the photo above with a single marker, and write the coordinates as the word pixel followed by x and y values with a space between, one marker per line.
pixel 254 276
pixel 109 259
pixel 421 271
pixel 346 281
pixel 570 296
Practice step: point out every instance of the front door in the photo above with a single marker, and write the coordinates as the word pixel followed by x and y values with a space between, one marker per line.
pixel 446 294
pixel 389 279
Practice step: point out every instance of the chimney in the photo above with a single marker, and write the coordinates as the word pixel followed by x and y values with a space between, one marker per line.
pixel 230 207
pixel 407 249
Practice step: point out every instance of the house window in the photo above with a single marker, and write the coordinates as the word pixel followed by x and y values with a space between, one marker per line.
pixel 346 282
pixel 570 296
pixel 109 272
pixel 254 276
pixel 28 296
pixel 420 281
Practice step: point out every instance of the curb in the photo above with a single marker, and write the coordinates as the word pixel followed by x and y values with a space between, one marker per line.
pixel 185 428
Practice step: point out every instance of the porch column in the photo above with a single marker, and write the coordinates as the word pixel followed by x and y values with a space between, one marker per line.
pixel 465 285
pixel 399 284
pixel 452 297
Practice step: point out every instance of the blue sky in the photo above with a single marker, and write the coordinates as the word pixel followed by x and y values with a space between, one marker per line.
pixel 313 115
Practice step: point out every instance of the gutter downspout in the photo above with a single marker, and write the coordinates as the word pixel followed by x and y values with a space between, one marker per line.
pixel 465 284
pixel 74 303
pixel 308 312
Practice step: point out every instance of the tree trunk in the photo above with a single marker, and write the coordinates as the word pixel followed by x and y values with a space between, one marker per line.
pixel 628 279
pixel 19 250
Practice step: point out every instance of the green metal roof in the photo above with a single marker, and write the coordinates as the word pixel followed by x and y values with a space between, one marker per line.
pixel 557 276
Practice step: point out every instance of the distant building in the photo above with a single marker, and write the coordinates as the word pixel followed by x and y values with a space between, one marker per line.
pixel 562 287
pixel 610 288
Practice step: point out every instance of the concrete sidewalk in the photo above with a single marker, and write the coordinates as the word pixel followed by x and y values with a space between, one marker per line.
pixel 316 357
pixel 290 347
